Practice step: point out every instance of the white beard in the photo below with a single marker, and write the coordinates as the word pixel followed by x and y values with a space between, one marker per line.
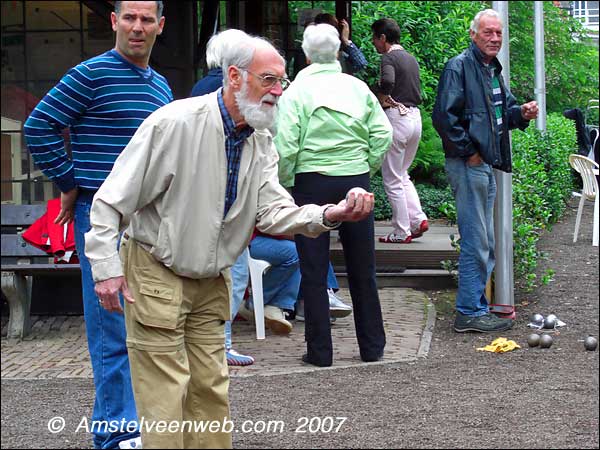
pixel 256 115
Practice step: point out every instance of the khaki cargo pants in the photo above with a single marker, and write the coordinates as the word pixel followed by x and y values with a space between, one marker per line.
pixel 175 339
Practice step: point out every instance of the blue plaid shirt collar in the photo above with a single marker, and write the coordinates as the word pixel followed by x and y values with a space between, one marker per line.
pixel 234 144
pixel 229 124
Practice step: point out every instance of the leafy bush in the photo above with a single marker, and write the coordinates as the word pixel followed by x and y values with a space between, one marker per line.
pixel 432 198
pixel 382 209
pixel 542 183
pixel 428 166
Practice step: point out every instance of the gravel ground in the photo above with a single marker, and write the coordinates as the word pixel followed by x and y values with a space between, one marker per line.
pixel 457 397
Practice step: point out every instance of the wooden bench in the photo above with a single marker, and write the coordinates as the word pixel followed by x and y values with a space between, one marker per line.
pixel 21 262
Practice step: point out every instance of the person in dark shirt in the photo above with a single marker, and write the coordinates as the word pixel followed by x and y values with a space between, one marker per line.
pixel 399 92
pixel 473 114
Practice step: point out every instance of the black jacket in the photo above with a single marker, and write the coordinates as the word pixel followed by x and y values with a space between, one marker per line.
pixel 464 115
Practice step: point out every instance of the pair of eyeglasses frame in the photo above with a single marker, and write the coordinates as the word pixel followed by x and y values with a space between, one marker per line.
pixel 268 81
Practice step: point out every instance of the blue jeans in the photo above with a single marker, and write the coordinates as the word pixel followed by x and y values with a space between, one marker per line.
pixel 106 342
pixel 239 282
pixel 331 279
pixel 282 281
pixel 474 189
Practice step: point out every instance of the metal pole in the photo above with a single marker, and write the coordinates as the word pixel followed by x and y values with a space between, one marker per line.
pixel 503 215
pixel 540 69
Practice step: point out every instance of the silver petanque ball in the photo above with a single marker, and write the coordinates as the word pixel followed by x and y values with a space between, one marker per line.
pixel 550 322
pixel 552 317
pixel 590 343
pixel 546 341
pixel 533 340
pixel 537 319
pixel 355 190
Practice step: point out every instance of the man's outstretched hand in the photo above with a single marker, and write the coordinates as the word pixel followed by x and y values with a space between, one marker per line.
pixel 357 206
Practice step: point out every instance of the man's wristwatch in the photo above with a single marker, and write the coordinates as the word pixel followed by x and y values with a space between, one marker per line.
pixel 328 223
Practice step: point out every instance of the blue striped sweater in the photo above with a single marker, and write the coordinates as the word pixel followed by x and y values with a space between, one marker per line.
pixel 103 101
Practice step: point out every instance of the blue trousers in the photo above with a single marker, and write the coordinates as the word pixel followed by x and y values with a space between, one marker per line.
pixel 239 282
pixel 282 281
pixel 474 189
pixel 106 342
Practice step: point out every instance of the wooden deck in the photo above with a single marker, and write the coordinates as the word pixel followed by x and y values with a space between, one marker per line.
pixel 415 265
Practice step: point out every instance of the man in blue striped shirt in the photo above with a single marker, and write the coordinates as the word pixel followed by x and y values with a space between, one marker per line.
pixel 102 101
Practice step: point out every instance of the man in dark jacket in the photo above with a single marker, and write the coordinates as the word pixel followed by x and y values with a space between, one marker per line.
pixel 473 113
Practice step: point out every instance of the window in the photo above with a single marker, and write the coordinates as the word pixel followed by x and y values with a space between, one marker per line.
pixel 587 12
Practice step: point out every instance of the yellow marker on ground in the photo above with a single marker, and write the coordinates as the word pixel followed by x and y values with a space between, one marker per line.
pixel 500 345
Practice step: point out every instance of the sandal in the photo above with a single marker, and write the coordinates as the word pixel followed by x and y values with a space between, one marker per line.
pixel 423 227
pixel 392 238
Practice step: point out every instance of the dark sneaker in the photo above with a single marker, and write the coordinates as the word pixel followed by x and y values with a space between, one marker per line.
pixel 483 324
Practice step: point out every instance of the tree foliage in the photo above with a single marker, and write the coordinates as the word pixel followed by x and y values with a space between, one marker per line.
pixel 432 31
pixel 571 61
pixel 436 31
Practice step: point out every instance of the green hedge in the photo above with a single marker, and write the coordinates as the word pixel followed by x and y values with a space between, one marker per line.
pixel 542 184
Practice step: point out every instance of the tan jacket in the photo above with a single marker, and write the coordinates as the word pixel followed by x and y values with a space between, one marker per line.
pixel 169 186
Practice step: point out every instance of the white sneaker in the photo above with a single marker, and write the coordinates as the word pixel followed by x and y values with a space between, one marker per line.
pixel 131 443
pixel 300 312
pixel 275 320
pixel 337 308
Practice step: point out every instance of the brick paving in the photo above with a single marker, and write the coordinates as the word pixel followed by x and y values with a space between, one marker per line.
pixel 57 346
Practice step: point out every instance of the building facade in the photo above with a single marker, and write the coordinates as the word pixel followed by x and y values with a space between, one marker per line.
pixel 587 13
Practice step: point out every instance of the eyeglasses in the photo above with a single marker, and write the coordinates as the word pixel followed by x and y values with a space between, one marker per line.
pixel 269 81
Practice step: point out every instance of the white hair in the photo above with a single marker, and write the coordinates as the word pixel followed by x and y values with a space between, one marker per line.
pixel 217 44
pixel 321 43
pixel 256 114
pixel 242 53
pixel 486 12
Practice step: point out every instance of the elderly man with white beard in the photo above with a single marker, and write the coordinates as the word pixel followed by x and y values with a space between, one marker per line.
pixel 194 181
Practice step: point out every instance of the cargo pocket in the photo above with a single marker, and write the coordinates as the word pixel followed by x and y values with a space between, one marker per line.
pixel 157 304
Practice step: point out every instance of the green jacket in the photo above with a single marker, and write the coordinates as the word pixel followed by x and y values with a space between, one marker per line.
pixel 330 123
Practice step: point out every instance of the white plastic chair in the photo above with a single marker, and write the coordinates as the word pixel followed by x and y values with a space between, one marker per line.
pixel 594 134
pixel 256 268
pixel 586 167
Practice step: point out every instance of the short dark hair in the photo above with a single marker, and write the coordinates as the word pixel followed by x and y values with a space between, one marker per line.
pixel 389 28
pixel 159 8
pixel 326 18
